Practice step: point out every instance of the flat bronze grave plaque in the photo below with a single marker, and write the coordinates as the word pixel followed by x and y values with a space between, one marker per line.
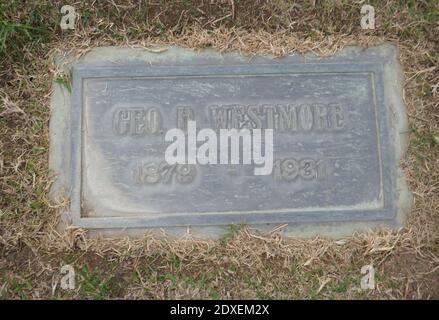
pixel 338 126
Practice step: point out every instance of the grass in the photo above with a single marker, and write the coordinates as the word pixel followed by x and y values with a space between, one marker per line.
pixel 97 283
pixel 239 265
pixel 8 31
pixel 65 82
pixel 14 35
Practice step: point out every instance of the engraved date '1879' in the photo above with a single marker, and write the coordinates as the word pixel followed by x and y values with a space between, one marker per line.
pixel 154 172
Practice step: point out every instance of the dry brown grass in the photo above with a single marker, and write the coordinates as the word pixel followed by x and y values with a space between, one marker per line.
pixel 243 265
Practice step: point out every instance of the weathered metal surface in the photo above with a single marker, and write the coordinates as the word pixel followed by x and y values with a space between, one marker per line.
pixel 336 121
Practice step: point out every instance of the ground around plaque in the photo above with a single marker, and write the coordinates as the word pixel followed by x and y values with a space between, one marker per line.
pixel 35 255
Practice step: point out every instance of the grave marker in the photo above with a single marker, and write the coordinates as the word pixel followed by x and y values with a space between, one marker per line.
pixel 339 128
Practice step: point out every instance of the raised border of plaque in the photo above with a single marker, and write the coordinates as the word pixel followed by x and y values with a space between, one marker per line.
pixel 380 63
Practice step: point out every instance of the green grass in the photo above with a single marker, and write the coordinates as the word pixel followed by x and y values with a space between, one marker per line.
pixel 65 82
pixel 16 286
pixel 425 139
pixel 14 35
pixel 96 283
pixel 232 232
